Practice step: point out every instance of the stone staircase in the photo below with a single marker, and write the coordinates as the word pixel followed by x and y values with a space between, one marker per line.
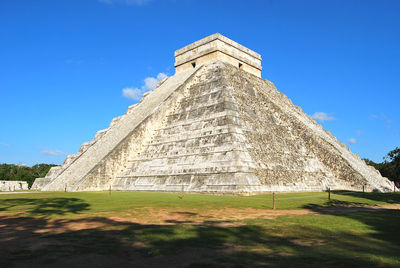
pixel 200 146
pixel 76 166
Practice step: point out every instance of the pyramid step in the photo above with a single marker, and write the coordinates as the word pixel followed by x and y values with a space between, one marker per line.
pixel 53 172
pixel 85 146
pixel 115 121
pixel 100 134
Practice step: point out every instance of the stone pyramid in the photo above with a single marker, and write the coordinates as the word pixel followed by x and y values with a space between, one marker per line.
pixel 215 126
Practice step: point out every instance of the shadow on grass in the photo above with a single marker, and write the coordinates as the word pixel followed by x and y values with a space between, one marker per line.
pixel 335 205
pixel 38 241
pixel 335 202
pixel 104 242
pixel 392 198
pixel 383 221
pixel 45 207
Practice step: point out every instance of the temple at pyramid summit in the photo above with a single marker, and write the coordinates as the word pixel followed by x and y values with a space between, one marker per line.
pixel 214 127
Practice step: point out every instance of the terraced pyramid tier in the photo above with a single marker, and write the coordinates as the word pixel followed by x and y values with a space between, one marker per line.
pixel 215 128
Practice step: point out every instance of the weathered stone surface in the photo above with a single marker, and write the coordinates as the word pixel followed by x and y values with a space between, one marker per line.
pixel 217 47
pixel 76 167
pixel 39 183
pixel 6 186
pixel 215 128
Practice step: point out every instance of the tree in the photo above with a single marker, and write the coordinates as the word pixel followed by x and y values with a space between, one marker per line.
pixel 393 164
pixel 390 167
pixel 10 172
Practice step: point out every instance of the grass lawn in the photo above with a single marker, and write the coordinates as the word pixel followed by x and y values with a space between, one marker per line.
pixel 96 229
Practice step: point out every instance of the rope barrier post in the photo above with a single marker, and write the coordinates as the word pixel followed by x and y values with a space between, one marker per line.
pixel 329 193
pixel 273 200
pixel 109 190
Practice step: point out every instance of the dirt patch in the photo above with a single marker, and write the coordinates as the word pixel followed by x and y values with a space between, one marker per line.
pixel 225 217
pixel 219 217
pixel 233 216
pixel 251 213
pixel 388 206
pixel 301 243
pixel 285 254
pixel 230 248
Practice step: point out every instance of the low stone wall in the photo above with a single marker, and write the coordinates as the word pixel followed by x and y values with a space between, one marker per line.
pixel 13 185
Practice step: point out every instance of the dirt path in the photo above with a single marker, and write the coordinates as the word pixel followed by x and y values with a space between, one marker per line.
pixel 18 192
pixel 233 216
pixel 218 217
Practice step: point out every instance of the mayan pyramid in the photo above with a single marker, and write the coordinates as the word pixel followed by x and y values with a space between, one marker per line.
pixel 215 126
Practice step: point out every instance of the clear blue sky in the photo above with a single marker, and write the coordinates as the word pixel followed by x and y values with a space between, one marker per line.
pixel 64 64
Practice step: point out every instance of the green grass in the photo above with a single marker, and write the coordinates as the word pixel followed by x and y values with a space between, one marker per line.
pixel 326 239
pixel 54 204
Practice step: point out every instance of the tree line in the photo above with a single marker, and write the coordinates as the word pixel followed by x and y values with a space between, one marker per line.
pixel 390 167
pixel 11 172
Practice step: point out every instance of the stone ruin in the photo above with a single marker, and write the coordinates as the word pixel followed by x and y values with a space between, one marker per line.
pixel 8 186
pixel 214 127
